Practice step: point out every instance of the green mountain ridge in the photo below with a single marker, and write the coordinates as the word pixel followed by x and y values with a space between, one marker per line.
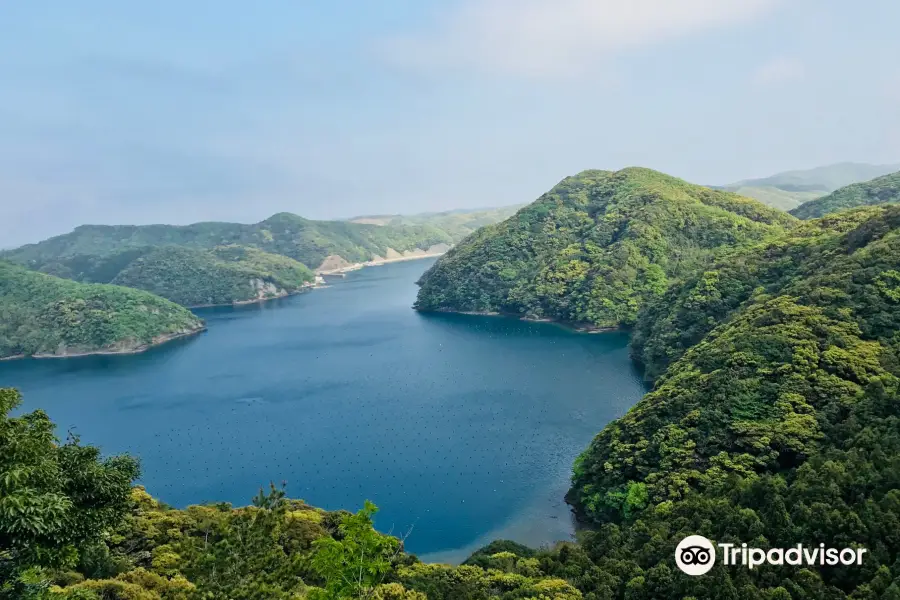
pixel 775 197
pixel 594 249
pixel 206 264
pixel 825 178
pixel 881 190
pixel 778 424
pixel 42 315
pixel 188 276
pixel 223 275
pixel 306 241
pixel 790 189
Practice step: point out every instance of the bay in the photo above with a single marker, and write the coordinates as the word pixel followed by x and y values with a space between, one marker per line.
pixel 461 428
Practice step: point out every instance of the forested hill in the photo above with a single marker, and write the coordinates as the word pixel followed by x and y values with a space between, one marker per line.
pixel 223 275
pixel 777 422
pixel 309 242
pixel 883 190
pixel 595 248
pixel 45 315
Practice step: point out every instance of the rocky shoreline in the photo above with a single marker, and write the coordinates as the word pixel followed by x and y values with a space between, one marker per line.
pixel 378 261
pixel 125 350
pixel 576 327
pixel 319 282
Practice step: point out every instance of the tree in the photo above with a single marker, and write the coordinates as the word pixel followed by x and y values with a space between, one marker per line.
pixel 354 565
pixel 55 499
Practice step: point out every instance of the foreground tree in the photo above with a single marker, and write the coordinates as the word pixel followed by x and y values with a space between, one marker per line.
pixel 56 499
pixel 354 565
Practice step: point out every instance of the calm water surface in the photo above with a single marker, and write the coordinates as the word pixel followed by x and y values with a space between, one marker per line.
pixel 462 427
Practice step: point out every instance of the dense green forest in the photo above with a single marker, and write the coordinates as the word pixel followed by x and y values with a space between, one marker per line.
pixel 774 348
pixel 780 426
pixel 190 276
pixel 882 190
pixel 223 275
pixel 42 314
pixel 102 251
pixel 595 248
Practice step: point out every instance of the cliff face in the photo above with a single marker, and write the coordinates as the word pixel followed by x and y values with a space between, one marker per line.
pixel 335 264
pixel 124 346
pixel 264 290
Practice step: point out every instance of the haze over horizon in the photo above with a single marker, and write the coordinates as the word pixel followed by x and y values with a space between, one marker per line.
pixel 176 113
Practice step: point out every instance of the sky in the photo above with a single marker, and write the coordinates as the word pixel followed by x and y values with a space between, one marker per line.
pixel 182 111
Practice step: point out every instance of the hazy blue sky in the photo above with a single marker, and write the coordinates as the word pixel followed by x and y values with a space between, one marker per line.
pixel 179 111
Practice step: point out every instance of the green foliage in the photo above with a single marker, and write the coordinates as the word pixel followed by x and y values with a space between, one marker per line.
pixel 774 420
pixel 41 314
pixel 443 582
pixel 223 275
pixel 357 563
pixel 56 499
pixel 690 310
pixel 99 252
pixel 595 248
pixel 883 190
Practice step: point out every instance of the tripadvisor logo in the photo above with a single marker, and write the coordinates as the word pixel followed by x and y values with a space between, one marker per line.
pixel 696 555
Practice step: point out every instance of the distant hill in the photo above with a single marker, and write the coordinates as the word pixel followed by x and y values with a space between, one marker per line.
pixel 773 196
pixel 109 248
pixel 309 242
pixel 223 275
pixel 595 248
pixel 45 315
pixel 458 223
pixel 881 190
pixel 790 189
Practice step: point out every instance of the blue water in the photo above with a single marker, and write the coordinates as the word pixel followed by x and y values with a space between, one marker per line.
pixel 461 427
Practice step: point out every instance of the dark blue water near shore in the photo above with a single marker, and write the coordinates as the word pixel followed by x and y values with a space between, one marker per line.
pixel 463 427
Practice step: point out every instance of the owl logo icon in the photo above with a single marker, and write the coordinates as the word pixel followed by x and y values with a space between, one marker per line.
pixel 695 555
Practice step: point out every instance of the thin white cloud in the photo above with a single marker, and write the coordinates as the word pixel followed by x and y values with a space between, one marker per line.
pixel 779 71
pixel 553 37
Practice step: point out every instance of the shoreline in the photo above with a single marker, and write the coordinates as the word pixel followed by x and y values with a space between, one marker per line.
pixel 377 263
pixel 576 327
pixel 302 290
pixel 157 341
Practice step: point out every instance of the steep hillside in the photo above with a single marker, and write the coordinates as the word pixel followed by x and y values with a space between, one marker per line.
pixel 306 241
pixel 779 425
pixel 45 315
pixel 595 248
pixel 688 311
pixel 223 275
pixel 883 190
